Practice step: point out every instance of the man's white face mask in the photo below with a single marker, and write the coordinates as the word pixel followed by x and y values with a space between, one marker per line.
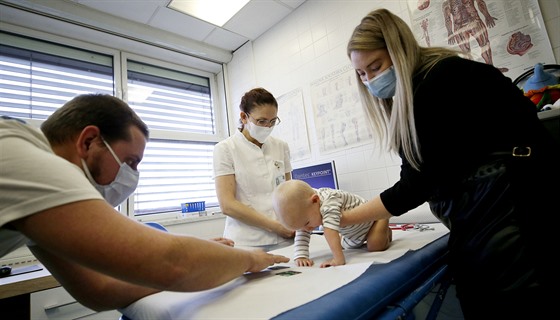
pixel 122 187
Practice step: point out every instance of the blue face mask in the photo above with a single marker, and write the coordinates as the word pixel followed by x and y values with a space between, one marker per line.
pixel 384 84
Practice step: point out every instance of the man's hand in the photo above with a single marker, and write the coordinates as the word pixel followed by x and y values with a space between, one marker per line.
pixel 263 260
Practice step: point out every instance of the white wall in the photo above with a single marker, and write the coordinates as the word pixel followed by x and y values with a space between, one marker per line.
pixel 311 43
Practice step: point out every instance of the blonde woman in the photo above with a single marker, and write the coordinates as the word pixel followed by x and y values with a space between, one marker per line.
pixel 473 147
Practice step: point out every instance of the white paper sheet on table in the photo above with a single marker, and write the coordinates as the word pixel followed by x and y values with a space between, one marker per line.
pixel 265 295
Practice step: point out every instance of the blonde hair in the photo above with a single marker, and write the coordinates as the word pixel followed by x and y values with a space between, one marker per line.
pixel 393 119
pixel 288 200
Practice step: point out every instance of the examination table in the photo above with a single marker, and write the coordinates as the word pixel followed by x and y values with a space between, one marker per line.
pixel 372 285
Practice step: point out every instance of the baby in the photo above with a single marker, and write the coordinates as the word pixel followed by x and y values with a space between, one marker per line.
pixel 303 208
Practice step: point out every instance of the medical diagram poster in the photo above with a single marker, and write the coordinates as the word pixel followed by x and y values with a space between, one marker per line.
pixel 293 128
pixel 509 35
pixel 340 121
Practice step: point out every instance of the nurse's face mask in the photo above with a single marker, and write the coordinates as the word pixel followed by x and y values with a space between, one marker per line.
pixel 122 187
pixel 260 132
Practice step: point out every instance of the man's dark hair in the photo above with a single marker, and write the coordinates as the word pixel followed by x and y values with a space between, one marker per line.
pixel 111 115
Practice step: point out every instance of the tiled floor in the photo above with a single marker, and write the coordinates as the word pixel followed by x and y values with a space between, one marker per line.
pixel 450 309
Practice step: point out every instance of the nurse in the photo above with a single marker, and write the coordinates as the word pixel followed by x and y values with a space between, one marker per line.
pixel 247 168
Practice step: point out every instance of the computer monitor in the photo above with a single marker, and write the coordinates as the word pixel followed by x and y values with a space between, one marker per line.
pixel 318 176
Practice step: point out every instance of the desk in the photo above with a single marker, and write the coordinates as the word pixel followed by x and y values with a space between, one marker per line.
pixel 26 283
pixel 15 291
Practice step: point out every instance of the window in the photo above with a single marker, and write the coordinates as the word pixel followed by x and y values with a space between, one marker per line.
pixel 173 171
pixel 37 77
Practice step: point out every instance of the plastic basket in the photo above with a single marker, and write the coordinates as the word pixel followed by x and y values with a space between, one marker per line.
pixel 193 206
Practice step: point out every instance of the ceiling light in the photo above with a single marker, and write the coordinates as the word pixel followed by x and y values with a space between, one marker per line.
pixel 217 12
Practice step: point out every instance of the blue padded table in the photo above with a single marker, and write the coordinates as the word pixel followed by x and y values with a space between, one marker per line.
pixel 398 279
pixel 382 288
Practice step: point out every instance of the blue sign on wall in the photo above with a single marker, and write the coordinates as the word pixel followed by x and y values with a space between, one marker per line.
pixel 318 176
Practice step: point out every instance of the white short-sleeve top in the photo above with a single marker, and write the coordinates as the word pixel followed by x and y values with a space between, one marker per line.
pixel 257 172
pixel 32 179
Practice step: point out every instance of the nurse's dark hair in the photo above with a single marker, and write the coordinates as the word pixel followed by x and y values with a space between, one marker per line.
pixel 254 98
pixel 111 115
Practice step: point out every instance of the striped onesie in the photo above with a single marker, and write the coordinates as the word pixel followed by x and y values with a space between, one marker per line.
pixel 333 202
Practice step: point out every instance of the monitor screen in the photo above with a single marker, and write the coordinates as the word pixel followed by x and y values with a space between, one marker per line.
pixel 318 176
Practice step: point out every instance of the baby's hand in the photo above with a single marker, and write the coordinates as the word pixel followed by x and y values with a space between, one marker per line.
pixel 332 263
pixel 304 262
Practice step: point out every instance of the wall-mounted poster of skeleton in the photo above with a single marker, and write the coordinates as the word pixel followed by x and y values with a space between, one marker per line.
pixel 507 34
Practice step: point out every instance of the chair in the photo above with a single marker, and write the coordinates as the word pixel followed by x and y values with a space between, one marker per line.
pixel 156 225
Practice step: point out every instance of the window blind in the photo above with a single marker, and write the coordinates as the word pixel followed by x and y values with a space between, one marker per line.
pixel 172 171
pixel 34 84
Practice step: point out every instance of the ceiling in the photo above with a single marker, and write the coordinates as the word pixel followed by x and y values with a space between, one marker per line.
pixel 248 24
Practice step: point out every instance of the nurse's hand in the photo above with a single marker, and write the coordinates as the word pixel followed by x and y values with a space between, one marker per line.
pixel 284 232
pixel 225 241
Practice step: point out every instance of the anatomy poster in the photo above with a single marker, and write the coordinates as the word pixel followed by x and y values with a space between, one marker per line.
pixel 339 119
pixel 293 128
pixel 507 34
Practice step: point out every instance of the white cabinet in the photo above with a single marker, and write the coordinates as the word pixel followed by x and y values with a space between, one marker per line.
pixel 58 304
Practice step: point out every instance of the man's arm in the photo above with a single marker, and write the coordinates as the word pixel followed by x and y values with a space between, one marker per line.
pixel 78 242
pixel 93 289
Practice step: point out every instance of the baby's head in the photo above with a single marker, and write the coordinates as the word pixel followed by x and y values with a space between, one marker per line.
pixel 297 205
